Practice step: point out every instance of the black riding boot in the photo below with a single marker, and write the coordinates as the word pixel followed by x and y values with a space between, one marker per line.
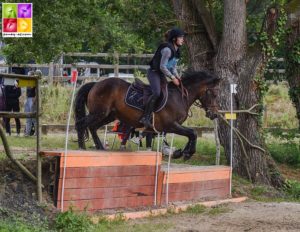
pixel 146 118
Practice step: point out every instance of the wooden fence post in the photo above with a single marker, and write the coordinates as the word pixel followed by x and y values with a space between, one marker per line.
pixel 51 73
pixel 116 63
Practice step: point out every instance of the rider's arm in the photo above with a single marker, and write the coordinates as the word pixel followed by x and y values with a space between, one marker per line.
pixel 165 55
pixel 174 71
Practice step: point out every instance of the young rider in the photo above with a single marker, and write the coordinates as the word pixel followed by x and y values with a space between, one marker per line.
pixel 162 65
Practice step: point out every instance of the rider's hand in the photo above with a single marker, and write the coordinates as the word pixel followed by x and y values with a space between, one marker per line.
pixel 176 82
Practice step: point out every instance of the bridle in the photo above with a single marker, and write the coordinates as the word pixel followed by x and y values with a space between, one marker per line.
pixel 204 97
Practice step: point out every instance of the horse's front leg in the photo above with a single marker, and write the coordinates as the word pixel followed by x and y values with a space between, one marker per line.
pixel 190 147
pixel 94 124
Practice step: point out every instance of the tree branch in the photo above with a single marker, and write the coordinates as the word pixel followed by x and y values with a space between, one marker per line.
pixel 249 111
pixel 240 135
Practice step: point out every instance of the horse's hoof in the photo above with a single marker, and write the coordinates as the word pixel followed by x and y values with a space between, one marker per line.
pixel 177 154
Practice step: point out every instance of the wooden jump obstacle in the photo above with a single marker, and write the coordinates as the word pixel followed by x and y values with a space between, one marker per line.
pixel 109 180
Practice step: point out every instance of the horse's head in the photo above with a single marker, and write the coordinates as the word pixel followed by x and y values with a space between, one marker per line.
pixel 203 85
pixel 208 101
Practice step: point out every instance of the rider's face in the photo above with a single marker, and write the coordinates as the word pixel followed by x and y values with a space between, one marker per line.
pixel 180 41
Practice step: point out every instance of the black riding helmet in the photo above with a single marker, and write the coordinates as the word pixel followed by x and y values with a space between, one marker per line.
pixel 174 33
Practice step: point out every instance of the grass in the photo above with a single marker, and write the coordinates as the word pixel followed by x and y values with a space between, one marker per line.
pixel 197 209
pixel 50 141
pixel 200 209
pixel 218 210
pixel 286 154
pixel 55 104
pixel 290 192
pixel 280 110
pixel 71 221
pixel 14 221
pixel 284 146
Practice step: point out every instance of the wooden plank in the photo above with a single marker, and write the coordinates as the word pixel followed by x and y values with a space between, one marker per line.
pixel 50 153
pixel 197 176
pixel 7 114
pixel 56 180
pixel 105 158
pixel 88 54
pixel 197 186
pixel 109 171
pixel 103 66
pixel 18 76
pixel 99 193
pixel 109 159
pixel 183 168
pixel 101 182
pixel 111 203
pixel 160 187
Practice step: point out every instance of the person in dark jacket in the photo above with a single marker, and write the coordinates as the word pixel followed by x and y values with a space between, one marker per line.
pixel 2 96
pixel 12 94
pixel 30 106
pixel 162 65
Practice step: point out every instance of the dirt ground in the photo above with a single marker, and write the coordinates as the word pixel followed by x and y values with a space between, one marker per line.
pixel 246 216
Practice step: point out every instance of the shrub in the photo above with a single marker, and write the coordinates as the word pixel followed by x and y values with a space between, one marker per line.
pixel 70 221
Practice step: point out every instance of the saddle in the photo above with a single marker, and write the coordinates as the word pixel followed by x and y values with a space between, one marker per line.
pixel 138 94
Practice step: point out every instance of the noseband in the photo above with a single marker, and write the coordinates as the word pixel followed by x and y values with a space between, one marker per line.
pixel 201 99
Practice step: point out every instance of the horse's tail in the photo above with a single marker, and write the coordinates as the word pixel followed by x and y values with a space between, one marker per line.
pixel 79 107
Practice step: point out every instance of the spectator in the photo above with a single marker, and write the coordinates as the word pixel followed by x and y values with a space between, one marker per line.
pixel 12 94
pixel 30 106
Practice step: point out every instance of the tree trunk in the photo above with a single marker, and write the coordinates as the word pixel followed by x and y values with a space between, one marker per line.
pixel 234 64
pixel 293 67
pixel 201 49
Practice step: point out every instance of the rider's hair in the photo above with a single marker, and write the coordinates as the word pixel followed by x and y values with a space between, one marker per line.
pixel 166 35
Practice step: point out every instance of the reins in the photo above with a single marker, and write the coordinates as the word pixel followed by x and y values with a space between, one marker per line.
pixel 184 93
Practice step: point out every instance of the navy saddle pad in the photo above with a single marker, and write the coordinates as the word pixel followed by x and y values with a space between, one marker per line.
pixel 138 93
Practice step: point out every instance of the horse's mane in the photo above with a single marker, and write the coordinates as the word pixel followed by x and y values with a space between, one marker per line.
pixel 205 77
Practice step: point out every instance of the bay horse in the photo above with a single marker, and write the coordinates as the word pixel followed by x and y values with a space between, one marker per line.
pixel 105 103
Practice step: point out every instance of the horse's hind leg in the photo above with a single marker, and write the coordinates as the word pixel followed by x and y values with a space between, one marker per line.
pixel 95 126
pixel 81 127
pixel 81 130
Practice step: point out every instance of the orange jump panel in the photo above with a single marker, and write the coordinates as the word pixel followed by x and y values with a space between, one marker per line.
pixel 105 159
pixel 194 183
pixel 196 186
pixel 77 158
pixel 110 203
pixel 107 180
pixel 78 172
pixel 98 193
pixel 197 174
pixel 104 182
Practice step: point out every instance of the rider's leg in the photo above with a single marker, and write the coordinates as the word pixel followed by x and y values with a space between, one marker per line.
pixel 155 82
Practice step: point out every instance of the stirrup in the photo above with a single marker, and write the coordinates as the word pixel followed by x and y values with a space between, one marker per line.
pixel 146 122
